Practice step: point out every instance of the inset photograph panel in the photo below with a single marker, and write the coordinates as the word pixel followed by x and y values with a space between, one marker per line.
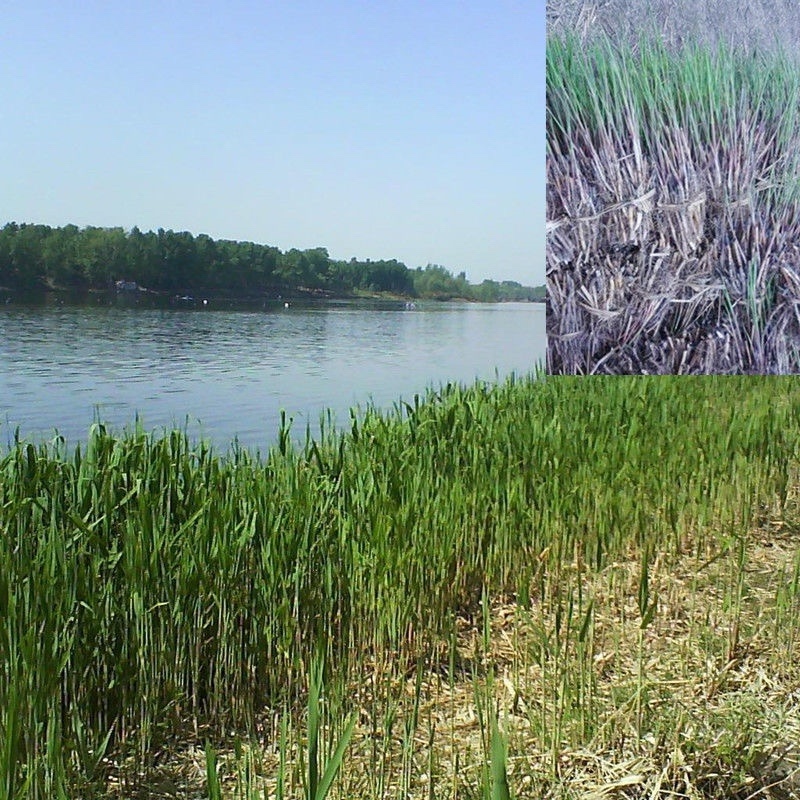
pixel 673 187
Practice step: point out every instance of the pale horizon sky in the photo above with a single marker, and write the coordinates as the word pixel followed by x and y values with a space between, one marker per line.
pixel 377 130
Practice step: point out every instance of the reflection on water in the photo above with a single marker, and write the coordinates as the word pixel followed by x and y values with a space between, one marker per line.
pixel 229 373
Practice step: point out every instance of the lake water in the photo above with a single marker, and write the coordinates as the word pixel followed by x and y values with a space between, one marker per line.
pixel 229 373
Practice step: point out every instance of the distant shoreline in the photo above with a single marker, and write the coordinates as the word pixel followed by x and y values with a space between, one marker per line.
pixel 145 296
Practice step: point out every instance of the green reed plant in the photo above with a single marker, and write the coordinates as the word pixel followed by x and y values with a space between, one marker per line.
pixel 499 778
pixel 647 611
pixel 212 775
pixel 319 781
pixel 149 584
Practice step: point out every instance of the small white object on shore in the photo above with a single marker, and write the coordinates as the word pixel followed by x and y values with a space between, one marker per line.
pixel 286 305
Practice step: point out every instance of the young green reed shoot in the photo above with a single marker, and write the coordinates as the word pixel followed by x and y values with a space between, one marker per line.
pixel 647 611
pixel 499 784
pixel 283 745
pixel 317 788
pixel 212 776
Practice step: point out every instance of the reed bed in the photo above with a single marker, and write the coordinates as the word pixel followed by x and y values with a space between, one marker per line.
pixel 672 208
pixel 527 589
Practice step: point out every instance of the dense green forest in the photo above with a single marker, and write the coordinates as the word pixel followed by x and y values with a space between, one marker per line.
pixel 36 257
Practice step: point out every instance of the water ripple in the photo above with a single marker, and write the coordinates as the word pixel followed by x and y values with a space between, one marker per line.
pixel 234 371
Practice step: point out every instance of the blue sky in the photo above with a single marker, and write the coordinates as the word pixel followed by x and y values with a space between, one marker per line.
pixel 409 130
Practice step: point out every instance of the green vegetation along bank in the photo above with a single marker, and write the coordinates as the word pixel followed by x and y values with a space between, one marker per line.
pixel 673 208
pixel 36 257
pixel 543 588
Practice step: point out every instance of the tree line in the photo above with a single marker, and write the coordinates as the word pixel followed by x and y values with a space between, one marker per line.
pixel 36 257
